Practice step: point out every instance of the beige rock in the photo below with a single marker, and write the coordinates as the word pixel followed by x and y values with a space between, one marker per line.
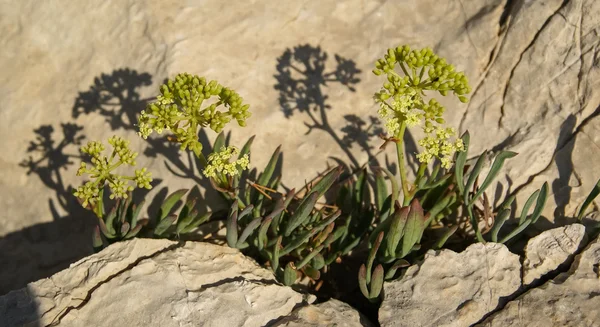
pixel 451 289
pixel 547 251
pixel 154 283
pixel 569 300
pixel 330 313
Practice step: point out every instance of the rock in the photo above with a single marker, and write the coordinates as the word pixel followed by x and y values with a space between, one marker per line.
pixel 572 299
pixel 547 251
pixel 451 289
pixel 330 313
pixel 147 282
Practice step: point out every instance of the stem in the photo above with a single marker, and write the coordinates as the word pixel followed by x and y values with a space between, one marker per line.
pixel 402 168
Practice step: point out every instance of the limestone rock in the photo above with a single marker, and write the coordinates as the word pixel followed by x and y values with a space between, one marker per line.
pixel 572 299
pixel 154 283
pixel 547 251
pixel 330 313
pixel 451 289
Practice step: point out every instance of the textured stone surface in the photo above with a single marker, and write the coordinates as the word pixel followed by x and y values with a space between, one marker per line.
pixel 532 64
pixel 154 283
pixel 570 300
pixel 552 248
pixel 330 313
pixel 451 289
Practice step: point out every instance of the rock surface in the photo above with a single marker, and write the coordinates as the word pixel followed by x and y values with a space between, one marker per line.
pixel 572 299
pixel 547 251
pixel 330 313
pixel 84 69
pixel 451 289
pixel 155 283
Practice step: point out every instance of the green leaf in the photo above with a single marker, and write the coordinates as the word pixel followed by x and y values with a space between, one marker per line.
pixel 301 213
pixel 392 178
pixel 473 176
pixel 185 220
pixel 400 263
pixel 219 142
pixel 362 280
pixel 124 229
pixel 527 205
pixel 376 282
pixel 199 220
pixel 318 261
pixel 309 257
pixel 289 275
pixel 231 226
pixel 164 225
pixel 459 166
pixel 373 254
pixel 494 170
pixel 381 191
pixel 516 231
pixel 136 212
pixel 109 229
pixel 588 200
pixel 275 257
pixel 397 228
pixel 540 203
pixel 265 177
pixel 440 243
pixel 501 218
pixel 414 227
pixel 246 148
pixel 248 230
pixel 134 231
pixel 169 202
pixel 325 183
pixel 262 232
pixel 312 272
pixel 97 239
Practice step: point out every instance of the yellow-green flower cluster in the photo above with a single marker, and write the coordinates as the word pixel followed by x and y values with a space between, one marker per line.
pixel 179 109
pixel 102 168
pixel 401 98
pixel 219 163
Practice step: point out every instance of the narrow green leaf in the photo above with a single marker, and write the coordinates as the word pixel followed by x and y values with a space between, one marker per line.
pixel 588 200
pixel 499 222
pixel 164 225
pixel 381 191
pixel 325 183
pixel 414 227
pixel 473 176
pixel 124 209
pixel 400 263
pixel 248 230
pixel 276 255
pixel 124 229
pixel 289 275
pixel 219 142
pixel 309 257
pixel 134 231
pixel 516 231
pixel 136 213
pixel 185 220
pixel 373 254
pixel 97 239
pixel 528 204
pixel 440 243
pixel 169 202
pixel 376 282
pixel 199 220
pixel 262 232
pixel 245 151
pixel 301 213
pixel 362 280
pixel 109 221
pixel 392 178
pixel 318 261
pixel 540 203
pixel 312 272
pixel 396 228
pixel 459 166
pixel 266 175
pixel 494 170
pixel 232 226
pixel 105 230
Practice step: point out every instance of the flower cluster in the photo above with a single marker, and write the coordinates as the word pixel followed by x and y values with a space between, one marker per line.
pixel 101 171
pixel 401 98
pixel 179 109
pixel 219 163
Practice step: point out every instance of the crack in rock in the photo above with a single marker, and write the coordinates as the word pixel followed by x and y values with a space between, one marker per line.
pixel 56 320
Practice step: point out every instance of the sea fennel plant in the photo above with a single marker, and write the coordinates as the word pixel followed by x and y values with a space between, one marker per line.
pixel 429 210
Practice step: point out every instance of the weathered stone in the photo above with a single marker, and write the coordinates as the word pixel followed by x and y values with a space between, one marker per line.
pixel 330 313
pixel 572 299
pixel 451 289
pixel 547 251
pixel 154 283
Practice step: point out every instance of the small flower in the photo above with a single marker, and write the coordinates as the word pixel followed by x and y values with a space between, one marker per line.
pixel 179 109
pixel 219 163
pixel 101 171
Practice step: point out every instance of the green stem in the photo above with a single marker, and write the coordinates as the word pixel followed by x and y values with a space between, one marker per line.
pixel 99 204
pixel 401 166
